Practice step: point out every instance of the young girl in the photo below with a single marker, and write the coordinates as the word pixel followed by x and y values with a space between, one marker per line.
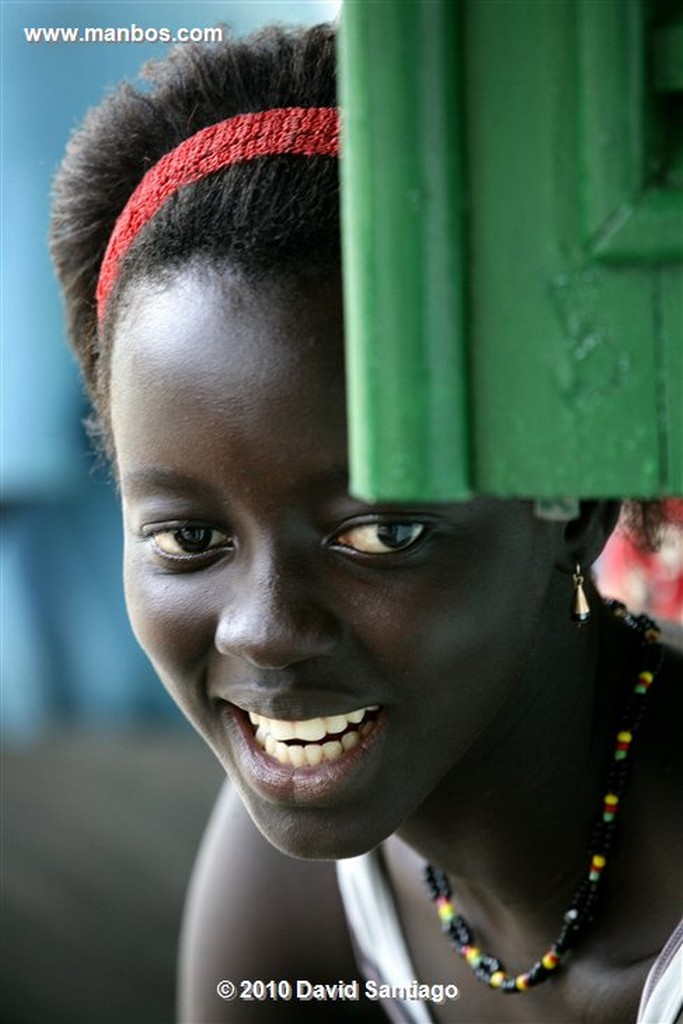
pixel 386 686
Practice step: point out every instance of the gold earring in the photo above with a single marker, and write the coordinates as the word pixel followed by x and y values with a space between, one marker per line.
pixel 581 611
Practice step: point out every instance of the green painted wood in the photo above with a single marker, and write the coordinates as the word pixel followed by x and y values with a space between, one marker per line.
pixel 670 358
pixel 611 112
pixel 630 215
pixel 566 387
pixel 565 376
pixel 649 230
pixel 668 57
pixel 402 212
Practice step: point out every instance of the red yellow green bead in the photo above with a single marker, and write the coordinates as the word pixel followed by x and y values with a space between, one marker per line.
pixel 597 864
pixel 610 807
pixel 623 743
pixel 644 682
pixel 445 909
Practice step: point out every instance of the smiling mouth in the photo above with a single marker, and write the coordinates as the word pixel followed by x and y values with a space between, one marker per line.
pixel 309 742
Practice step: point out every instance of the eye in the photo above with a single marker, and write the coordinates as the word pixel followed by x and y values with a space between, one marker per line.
pixel 183 541
pixel 381 538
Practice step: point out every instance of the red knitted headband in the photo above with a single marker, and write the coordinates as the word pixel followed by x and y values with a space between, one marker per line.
pixel 303 131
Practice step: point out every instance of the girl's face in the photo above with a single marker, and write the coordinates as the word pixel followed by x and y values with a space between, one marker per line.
pixel 366 647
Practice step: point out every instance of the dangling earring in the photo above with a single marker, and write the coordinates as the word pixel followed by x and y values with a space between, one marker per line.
pixel 581 611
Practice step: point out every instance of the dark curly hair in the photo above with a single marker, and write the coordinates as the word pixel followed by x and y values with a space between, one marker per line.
pixel 274 214
pixel 278 213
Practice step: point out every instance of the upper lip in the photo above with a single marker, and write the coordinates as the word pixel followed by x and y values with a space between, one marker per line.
pixel 296 707
pixel 309 690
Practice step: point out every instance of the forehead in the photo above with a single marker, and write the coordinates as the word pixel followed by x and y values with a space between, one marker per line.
pixel 228 361
pixel 201 318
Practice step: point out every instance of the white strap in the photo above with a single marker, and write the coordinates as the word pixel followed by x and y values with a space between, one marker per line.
pixel 374 924
pixel 662 997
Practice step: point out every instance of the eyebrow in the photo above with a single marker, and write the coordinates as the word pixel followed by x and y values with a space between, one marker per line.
pixel 331 478
pixel 148 478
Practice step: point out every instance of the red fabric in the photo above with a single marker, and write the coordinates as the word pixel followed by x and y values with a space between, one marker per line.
pixel 643 580
pixel 302 131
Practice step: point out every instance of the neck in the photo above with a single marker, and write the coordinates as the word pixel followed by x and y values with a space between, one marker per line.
pixel 519 808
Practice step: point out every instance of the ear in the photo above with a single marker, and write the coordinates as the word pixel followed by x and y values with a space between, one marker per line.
pixel 584 537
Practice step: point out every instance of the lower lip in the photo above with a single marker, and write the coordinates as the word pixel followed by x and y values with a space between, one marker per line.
pixel 283 783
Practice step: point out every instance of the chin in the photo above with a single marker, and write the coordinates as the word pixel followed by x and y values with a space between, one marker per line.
pixel 309 835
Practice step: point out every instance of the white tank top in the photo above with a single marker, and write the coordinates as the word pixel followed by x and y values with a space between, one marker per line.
pixel 383 955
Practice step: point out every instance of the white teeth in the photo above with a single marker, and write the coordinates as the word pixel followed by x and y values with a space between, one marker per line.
pixel 272 733
pixel 314 754
pixel 357 716
pixel 281 753
pixel 310 730
pixel 296 755
pixel 349 741
pixel 337 723
pixel 280 729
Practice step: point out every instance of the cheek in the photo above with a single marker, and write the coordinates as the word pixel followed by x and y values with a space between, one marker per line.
pixel 460 638
pixel 171 621
pixel 475 606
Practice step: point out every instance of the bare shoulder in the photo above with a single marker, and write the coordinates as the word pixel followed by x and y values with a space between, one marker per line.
pixel 254 914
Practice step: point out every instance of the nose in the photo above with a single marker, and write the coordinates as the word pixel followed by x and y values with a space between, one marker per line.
pixel 273 620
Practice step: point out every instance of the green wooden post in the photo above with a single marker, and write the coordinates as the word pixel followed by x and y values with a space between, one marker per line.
pixel 560 121
pixel 576 243
pixel 402 211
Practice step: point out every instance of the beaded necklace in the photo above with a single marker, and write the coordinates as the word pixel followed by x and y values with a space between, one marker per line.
pixel 582 908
